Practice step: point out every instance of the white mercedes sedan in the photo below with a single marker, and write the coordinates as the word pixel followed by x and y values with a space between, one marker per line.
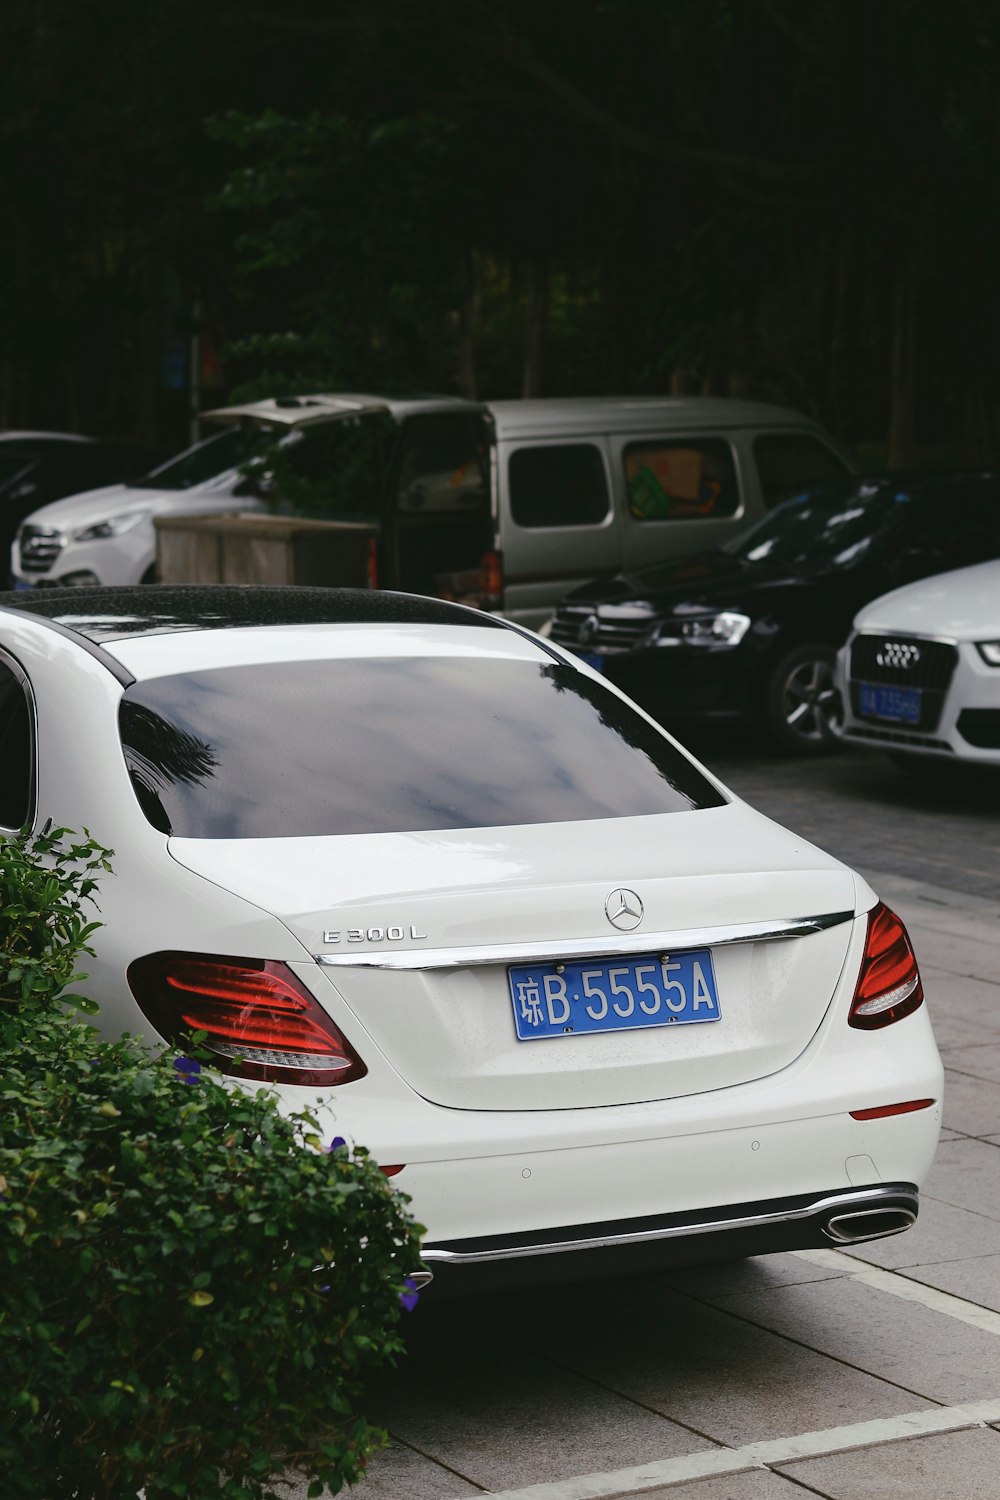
pixel 423 870
pixel 920 673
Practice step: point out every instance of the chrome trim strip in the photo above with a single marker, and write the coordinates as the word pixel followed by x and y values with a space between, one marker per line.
pixel 838 1201
pixel 573 948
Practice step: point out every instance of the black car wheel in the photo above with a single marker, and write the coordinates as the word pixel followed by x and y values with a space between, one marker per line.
pixel 802 708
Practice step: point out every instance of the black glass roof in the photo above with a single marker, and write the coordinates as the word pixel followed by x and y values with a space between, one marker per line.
pixel 105 614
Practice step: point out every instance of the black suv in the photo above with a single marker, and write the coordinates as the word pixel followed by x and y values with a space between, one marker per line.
pixel 749 632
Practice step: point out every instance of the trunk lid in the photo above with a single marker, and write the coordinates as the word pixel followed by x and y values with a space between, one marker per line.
pixel 419 930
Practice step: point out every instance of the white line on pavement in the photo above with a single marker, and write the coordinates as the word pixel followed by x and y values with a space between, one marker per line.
pixel 759 1455
pixel 899 1285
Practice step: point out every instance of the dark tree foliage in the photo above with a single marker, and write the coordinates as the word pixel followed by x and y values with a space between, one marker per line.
pixel 504 198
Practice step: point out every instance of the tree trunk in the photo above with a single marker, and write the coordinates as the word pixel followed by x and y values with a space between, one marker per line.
pixel 468 327
pixel 537 317
pixel 902 384
pixel 72 395
pixel 979 427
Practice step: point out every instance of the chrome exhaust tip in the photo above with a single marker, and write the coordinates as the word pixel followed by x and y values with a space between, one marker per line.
pixel 868 1224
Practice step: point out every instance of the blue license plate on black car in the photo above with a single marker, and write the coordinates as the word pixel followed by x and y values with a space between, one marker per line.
pixel 898 705
pixel 613 994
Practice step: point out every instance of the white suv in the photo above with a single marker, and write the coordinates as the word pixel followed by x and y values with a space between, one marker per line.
pixel 107 536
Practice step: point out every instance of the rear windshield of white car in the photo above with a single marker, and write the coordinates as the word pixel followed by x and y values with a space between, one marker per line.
pixel 393 745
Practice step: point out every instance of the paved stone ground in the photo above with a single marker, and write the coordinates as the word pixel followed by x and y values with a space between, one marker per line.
pixel 869 1376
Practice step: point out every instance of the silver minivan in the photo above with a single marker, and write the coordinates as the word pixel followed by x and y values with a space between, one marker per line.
pixel 574 489
pixel 507 505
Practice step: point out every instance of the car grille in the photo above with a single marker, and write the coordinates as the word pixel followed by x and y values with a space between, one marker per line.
pixel 614 627
pixel 905 662
pixel 39 546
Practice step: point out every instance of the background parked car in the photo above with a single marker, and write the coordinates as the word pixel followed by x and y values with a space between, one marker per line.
pixel 749 632
pixel 106 536
pixel 37 467
pixel 920 673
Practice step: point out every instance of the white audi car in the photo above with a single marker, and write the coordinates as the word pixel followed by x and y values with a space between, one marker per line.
pixel 920 673
pixel 422 866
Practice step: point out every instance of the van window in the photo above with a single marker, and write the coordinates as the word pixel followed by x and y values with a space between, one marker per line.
pixel 442 479
pixel 788 462
pixel 16 750
pixel 685 480
pixel 562 485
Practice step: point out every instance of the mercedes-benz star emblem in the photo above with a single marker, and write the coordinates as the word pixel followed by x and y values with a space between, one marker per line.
pixel 588 630
pixel 623 909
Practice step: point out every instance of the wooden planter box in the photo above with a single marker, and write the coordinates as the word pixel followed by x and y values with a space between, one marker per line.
pixel 233 547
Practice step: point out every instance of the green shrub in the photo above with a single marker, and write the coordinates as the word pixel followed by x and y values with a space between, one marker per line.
pixel 191 1288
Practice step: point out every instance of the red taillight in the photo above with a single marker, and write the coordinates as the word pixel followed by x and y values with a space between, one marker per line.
pixel 490 582
pixel 371 563
pixel 259 1020
pixel 889 985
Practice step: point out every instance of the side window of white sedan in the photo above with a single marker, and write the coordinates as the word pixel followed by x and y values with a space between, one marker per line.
pixel 17 751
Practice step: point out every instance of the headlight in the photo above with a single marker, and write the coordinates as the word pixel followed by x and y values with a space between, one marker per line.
pixel 113 526
pixel 990 652
pixel 725 629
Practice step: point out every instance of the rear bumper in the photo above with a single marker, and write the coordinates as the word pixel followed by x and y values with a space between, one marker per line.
pixel 659 1242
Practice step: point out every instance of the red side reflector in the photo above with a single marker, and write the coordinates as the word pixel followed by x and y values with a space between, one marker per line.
pixel 883 1110
pixel 888 985
pixel 490 582
pixel 371 564
pixel 391 1171
pixel 260 1020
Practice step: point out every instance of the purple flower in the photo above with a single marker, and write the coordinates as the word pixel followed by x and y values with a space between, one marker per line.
pixel 338 1140
pixel 411 1297
pixel 188 1068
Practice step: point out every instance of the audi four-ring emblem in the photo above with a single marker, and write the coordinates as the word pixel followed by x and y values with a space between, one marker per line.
pixel 901 654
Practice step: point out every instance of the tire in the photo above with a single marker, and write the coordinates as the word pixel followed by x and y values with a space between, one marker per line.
pixel 803 713
pixel 150 575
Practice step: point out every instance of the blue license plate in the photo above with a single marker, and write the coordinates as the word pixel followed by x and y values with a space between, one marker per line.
pixel 899 705
pixel 592 658
pixel 613 994
pixel 21 583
